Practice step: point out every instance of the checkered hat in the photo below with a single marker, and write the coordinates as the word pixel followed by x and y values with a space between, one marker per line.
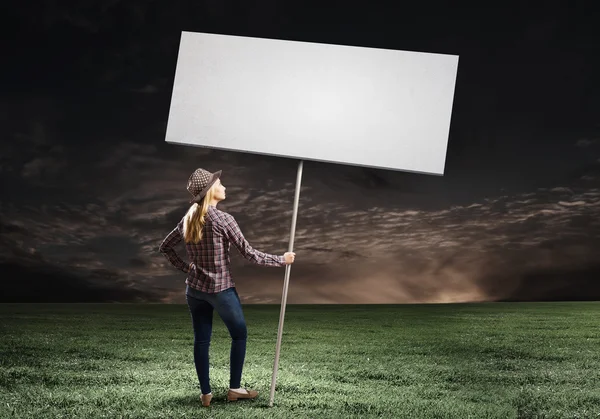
pixel 200 182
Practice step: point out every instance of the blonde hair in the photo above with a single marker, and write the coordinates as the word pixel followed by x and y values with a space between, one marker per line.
pixel 194 219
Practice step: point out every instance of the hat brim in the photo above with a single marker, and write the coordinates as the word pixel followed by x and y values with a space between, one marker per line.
pixel 211 182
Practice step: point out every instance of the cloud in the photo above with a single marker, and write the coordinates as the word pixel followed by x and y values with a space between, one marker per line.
pixel 357 240
pixel 138 262
pixel 586 142
pixel 369 282
pixel 30 275
pixel 556 284
pixel 344 254
pixel 42 167
pixel 54 285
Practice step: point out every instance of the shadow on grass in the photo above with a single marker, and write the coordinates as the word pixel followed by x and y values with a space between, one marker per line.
pixel 260 403
pixel 191 401
pixel 218 400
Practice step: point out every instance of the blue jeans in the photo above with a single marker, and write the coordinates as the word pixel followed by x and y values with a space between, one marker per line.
pixel 228 306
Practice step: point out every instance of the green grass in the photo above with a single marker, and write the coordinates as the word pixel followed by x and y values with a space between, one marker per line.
pixel 495 360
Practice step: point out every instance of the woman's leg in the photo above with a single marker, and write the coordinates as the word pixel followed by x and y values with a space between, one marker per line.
pixel 202 317
pixel 229 307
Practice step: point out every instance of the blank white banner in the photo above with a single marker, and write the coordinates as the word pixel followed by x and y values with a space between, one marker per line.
pixel 341 104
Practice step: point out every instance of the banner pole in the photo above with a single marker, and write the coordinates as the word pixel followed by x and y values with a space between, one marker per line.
pixel 286 284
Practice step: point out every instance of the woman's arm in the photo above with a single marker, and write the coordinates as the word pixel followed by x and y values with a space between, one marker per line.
pixel 235 236
pixel 166 248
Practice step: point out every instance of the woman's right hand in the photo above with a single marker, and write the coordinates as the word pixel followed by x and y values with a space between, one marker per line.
pixel 289 257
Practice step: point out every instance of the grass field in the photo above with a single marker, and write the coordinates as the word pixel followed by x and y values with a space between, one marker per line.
pixel 495 360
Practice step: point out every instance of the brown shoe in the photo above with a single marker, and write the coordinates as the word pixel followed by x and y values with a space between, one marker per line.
pixel 206 399
pixel 235 395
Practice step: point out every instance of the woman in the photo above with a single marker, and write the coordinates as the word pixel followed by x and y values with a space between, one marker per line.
pixel 208 234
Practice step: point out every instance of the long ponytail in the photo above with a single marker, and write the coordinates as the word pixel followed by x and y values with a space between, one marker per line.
pixel 194 220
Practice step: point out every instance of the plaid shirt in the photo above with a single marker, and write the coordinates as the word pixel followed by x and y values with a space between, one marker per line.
pixel 210 270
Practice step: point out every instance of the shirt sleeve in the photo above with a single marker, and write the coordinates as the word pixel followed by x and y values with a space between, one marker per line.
pixel 167 249
pixel 235 236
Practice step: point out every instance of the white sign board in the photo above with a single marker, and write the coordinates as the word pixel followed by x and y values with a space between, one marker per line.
pixel 341 104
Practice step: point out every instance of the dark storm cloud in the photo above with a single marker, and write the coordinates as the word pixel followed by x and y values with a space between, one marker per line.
pixel 28 276
pixel 577 283
pixel 138 262
pixel 586 142
pixel 357 240
pixel 41 167
pixel 22 283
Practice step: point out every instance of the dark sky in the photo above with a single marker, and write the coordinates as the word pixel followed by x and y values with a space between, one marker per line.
pixel 90 187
